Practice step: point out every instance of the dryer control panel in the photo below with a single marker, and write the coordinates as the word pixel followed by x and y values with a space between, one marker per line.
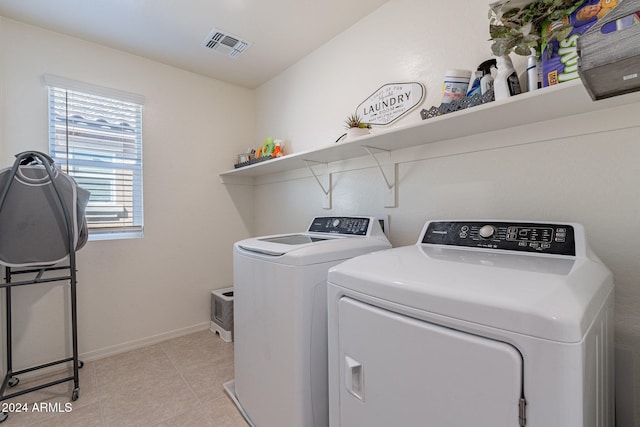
pixel 547 238
pixel 357 226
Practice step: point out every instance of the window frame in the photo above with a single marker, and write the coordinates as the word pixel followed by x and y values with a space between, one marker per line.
pixel 127 160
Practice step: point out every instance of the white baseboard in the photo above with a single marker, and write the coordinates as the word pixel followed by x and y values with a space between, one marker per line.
pixel 119 348
pixel 142 342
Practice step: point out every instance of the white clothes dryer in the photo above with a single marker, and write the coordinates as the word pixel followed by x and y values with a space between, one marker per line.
pixel 280 315
pixel 481 323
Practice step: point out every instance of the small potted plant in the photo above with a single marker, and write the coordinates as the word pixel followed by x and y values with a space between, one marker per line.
pixel 355 126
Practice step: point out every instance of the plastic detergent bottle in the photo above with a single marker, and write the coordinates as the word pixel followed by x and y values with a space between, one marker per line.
pixel 486 83
pixel 506 83
pixel 532 71
pixel 474 88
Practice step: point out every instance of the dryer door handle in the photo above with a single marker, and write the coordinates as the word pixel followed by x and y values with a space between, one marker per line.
pixel 354 377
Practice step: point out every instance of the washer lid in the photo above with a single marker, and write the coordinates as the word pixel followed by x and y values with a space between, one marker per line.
pixel 328 239
pixel 282 243
pixel 549 297
pixel 294 239
pixel 317 250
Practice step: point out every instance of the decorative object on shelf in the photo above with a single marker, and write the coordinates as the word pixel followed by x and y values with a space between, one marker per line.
pixel 271 149
pixel 391 102
pixel 355 127
pixel 457 105
pixel 356 132
pixel 277 148
pixel 355 122
pixel 383 107
pixel 253 161
pixel 267 148
pixel 247 156
pixel 517 29
pixel 608 72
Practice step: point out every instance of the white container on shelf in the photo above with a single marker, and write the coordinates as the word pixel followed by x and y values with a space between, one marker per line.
pixel 456 83
pixel 506 83
pixel 532 72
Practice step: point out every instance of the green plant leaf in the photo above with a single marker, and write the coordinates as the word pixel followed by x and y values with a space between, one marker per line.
pixel 498 31
pixel 523 49
pixel 501 47
pixel 523 26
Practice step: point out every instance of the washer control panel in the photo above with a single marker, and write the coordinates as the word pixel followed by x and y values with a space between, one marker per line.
pixel 357 226
pixel 556 239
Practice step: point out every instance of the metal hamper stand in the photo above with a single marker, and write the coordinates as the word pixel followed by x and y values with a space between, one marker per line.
pixel 11 378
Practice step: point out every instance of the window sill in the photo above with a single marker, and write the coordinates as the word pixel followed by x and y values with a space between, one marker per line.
pixel 115 235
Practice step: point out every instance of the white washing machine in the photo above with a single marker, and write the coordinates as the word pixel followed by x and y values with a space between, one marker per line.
pixel 280 318
pixel 481 323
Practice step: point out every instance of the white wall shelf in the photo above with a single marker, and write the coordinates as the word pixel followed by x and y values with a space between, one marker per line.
pixel 563 100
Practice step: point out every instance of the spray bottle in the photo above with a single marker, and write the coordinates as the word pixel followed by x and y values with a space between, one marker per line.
pixel 483 71
pixel 486 82
pixel 506 83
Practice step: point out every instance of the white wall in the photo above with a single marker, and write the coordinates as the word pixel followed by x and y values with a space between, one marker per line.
pixel 582 169
pixel 139 290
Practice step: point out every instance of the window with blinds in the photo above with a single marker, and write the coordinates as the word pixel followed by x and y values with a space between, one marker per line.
pixel 95 135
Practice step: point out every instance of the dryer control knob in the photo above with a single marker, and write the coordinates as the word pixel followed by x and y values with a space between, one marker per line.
pixel 336 222
pixel 487 231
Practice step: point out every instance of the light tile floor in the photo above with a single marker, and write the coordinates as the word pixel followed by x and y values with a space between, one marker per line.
pixel 173 383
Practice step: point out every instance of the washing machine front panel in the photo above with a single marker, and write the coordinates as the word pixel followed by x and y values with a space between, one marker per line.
pixel 567 384
pixel 396 370
pixel 280 318
pixel 280 342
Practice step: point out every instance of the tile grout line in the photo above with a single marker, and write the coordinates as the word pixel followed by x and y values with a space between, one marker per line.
pixel 179 372
pixel 99 392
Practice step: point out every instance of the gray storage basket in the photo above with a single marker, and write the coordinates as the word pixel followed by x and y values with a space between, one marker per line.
pixel 609 64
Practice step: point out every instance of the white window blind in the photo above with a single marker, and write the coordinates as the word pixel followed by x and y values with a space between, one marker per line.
pixel 95 135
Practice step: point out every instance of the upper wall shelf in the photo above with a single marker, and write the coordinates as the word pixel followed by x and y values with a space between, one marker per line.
pixel 563 100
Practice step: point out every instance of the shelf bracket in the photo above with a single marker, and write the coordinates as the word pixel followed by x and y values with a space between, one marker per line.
pixel 326 177
pixel 388 171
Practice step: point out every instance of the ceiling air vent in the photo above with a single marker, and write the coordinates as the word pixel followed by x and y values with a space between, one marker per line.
pixel 226 43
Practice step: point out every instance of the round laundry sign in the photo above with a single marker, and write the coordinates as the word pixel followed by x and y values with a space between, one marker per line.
pixel 391 102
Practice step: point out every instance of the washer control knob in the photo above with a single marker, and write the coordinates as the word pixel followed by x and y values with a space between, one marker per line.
pixel 336 222
pixel 487 231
